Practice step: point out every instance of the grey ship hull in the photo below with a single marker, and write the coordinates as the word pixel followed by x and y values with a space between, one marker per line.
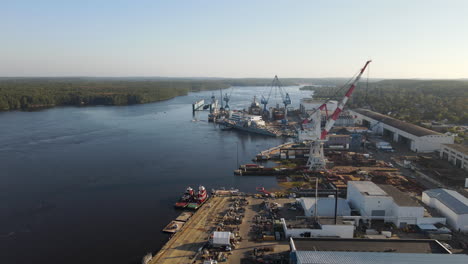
pixel 251 129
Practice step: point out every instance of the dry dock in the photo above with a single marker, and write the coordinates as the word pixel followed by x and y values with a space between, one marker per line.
pixel 184 245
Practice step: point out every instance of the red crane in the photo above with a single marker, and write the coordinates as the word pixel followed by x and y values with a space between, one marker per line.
pixel 332 119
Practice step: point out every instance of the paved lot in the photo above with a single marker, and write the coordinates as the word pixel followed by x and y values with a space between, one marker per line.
pixel 245 248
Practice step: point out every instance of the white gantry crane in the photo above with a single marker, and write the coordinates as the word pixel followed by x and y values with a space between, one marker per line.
pixel 314 132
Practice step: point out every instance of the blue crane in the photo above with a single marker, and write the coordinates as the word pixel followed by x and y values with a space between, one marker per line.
pixel 276 84
pixel 226 99
pixel 284 96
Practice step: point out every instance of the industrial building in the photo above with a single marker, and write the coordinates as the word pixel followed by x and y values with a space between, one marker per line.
pixel 220 239
pixel 456 154
pixel 451 204
pixel 324 223
pixel 322 227
pixel 308 105
pixel 338 141
pixel 346 119
pixel 370 251
pixel 385 202
pixel 417 138
pixel 325 206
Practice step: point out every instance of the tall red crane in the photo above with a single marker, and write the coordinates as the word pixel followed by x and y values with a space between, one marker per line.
pixel 317 159
pixel 332 119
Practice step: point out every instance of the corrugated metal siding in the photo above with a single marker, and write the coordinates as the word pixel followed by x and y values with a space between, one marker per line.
pixel 449 198
pixel 327 257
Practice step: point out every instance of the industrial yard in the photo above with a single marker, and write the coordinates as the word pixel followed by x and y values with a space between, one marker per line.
pixel 372 179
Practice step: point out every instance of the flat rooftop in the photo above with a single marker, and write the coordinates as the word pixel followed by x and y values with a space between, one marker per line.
pixel 368 188
pixel 458 147
pixel 310 223
pixel 400 198
pixel 427 246
pixel 327 257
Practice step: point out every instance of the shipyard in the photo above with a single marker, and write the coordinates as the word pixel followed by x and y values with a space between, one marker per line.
pixel 237 132
pixel 350 183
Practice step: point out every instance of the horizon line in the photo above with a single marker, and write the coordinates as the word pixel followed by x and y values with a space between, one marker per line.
pixel 221 78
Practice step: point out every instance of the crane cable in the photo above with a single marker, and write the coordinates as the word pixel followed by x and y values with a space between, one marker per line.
pixel 367 88
pixel 335 94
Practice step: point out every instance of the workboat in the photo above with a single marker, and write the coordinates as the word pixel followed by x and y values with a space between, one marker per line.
pixel 199 199
pixel 186 198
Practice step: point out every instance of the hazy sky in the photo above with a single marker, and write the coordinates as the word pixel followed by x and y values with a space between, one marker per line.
pixel 405 39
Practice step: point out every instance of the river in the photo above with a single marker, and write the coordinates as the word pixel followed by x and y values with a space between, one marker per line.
pixel 97 184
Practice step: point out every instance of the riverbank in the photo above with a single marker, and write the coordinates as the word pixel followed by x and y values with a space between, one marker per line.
pixel 37 93
pixel 71 173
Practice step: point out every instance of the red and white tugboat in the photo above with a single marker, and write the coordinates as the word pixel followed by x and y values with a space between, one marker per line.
pixel 200 199
pixel 186 198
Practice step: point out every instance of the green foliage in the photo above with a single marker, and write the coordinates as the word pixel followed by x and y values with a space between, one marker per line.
pixel 410 100
pixel 30 93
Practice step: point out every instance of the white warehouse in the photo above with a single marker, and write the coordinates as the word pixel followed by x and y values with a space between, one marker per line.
pixel 417 138
pixel 325 207
pixel 385 202
pixel 457 154
pixel 451 204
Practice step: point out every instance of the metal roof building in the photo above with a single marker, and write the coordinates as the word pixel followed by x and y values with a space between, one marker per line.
pixel 325 206
pixel 327 257
pixel 457 154
pixel 370 251
pixel 417 138
pixel 384 202
pixel 451 204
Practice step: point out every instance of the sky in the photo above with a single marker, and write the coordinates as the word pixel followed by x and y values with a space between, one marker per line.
pixel 405 39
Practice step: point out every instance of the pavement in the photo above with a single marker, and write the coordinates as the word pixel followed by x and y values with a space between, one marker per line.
pixel 184 245
pixel 246 246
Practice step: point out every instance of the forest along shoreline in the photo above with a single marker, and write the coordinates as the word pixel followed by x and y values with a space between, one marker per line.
pixel 28 94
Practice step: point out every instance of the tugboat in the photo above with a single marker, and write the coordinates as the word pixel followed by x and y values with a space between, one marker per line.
pixel 199 200
pixel 185 199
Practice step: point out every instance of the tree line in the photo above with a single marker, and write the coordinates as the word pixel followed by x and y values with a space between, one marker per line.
pixel 31 93
pixel 415 101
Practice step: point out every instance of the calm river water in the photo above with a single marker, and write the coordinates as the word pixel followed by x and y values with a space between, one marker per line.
pixel 97 184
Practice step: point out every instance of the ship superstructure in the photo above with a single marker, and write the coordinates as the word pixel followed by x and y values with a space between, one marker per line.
pixel 250 123
pixel 192 200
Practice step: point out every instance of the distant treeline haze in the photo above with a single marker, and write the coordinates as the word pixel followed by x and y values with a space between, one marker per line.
pixel 37 93
pixel 31 93
pixel 410 100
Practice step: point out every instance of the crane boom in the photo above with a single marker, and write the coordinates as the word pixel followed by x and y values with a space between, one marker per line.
pixel 331 121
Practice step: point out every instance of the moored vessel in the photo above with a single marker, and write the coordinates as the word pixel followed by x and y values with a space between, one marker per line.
pixel 249 123
pixel 199 199
pixel 186 198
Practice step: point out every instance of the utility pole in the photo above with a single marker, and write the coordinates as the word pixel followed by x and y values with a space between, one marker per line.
pixel 316 198
pixel 237 153
pixel 336 206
